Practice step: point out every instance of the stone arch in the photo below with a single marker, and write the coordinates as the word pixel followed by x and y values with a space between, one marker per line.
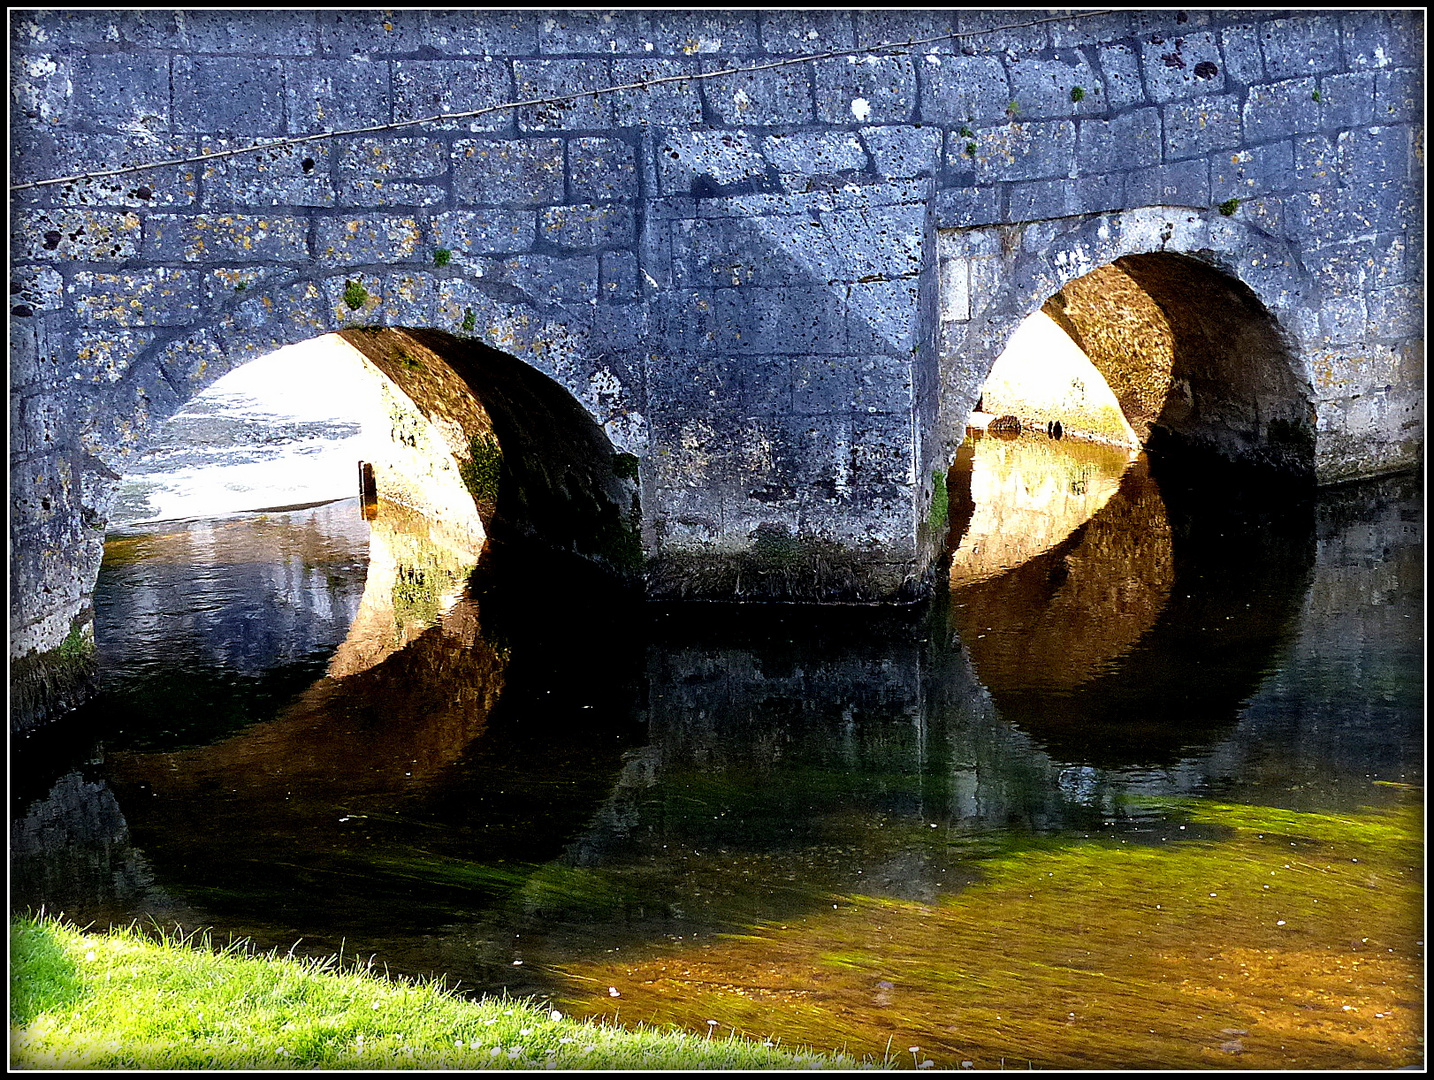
pixel 1213 295
pixel 509 383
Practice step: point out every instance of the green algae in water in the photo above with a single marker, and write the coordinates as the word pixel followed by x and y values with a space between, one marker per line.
pixel 1242 951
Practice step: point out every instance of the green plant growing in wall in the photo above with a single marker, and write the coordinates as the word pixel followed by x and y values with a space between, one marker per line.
pixel 1229 206
pixel 1013 108
pixel 482 470
pixel 355 295
pixel 1077 93
pixel 241 286
pixel 408 360
pixel 965 131
pixel 442 257
pixel 624 466
pixel 77 646
pixel 469 322
pixel 940 503
pixel 970 149
pixel 1315 97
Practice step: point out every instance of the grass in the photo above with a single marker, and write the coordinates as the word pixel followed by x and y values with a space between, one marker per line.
pixel 150 1000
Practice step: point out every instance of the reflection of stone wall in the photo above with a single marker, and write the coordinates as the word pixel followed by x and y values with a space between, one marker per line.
pixel 417 570
pixel 71 852
pixel 1029 494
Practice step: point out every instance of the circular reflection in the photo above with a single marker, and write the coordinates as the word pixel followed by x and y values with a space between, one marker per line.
pixel 1138 635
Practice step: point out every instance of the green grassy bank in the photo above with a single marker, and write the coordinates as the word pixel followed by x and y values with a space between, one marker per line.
pixel 128 999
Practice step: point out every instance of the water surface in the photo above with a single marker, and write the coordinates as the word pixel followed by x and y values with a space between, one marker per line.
pixel 1147 795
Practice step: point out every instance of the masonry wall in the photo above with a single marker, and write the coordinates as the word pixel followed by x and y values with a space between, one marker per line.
pixel 736 277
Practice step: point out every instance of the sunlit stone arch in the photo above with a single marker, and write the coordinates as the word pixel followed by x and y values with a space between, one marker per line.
pixel 1261 413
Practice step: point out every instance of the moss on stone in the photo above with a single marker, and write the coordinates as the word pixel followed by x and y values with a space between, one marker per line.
pixel 355 295
pixel 482 470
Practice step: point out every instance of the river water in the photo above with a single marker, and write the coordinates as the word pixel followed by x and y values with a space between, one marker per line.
pixel 1141 787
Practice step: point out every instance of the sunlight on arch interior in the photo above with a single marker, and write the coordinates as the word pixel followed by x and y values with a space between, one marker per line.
pixel 286 429
pixel 1045 450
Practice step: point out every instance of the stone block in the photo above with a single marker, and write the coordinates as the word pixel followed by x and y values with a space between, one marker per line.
pixel 370 32
pixel 568 83
pixel 1182 67
pixel 262 33
pixel 1182 183
pixel 697 33
pixel 865 89
pixel 331 94
pixel 792 319
pixel 815 153
pixel 373 238
pixel 731 251
pixel 902 152
pixel 1001 31
pixel 587 226
pixel 617 277
pixel 721 158
pixel 1045 88
pixel 545 279
pixel 96 236
pixel 104 356
pixel 1244 63
pixel 1300 46
pixel 882 317
pixel 1200 126
pixel 82 26
pixel 1246 174
pixel 820 385
pixel 1347 100
pixel 1130 139
pixel 601 170
pixel 481 32
pixel 1399 95
pixel 1038 199
pixel 883 242
pixel 958 90
pixel 284 176
pixel 508 172
pixel 800 33
pixel 1025 151
pixel 881 452
pixel 35 290
pixel 1343 319
pixel 1315 162
pixel 61 154
pixel 1396 312
pixel 213 237
pixel 41 88
pixel 1381 39
pixel 162 296
pixel 117 88
pixel 386 172
pixel 1279 110
pixel 467 233
pixel 668 104
pixel 1369 155
pixel 777 96
pixel 1120 66
pixel 194 360
pixel 885 26
pixel 410 298
pixel 424 88
pixel 1089 28
pixel 229 95
pixel 563 33
pixel 966 207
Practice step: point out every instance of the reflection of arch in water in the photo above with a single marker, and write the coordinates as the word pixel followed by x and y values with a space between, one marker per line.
pixel 1142 633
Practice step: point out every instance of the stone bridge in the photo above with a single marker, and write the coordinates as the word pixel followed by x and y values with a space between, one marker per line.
pixel 719 319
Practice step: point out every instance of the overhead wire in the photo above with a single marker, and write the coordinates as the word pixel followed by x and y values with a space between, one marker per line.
pixel 468 114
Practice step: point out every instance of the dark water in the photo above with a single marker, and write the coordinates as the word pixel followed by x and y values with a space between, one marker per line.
pixel 779 818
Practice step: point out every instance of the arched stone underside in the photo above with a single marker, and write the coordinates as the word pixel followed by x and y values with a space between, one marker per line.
pixel 733 280
pixel 1180 312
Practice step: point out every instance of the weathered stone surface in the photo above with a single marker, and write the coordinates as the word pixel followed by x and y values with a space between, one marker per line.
pixel 733 278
